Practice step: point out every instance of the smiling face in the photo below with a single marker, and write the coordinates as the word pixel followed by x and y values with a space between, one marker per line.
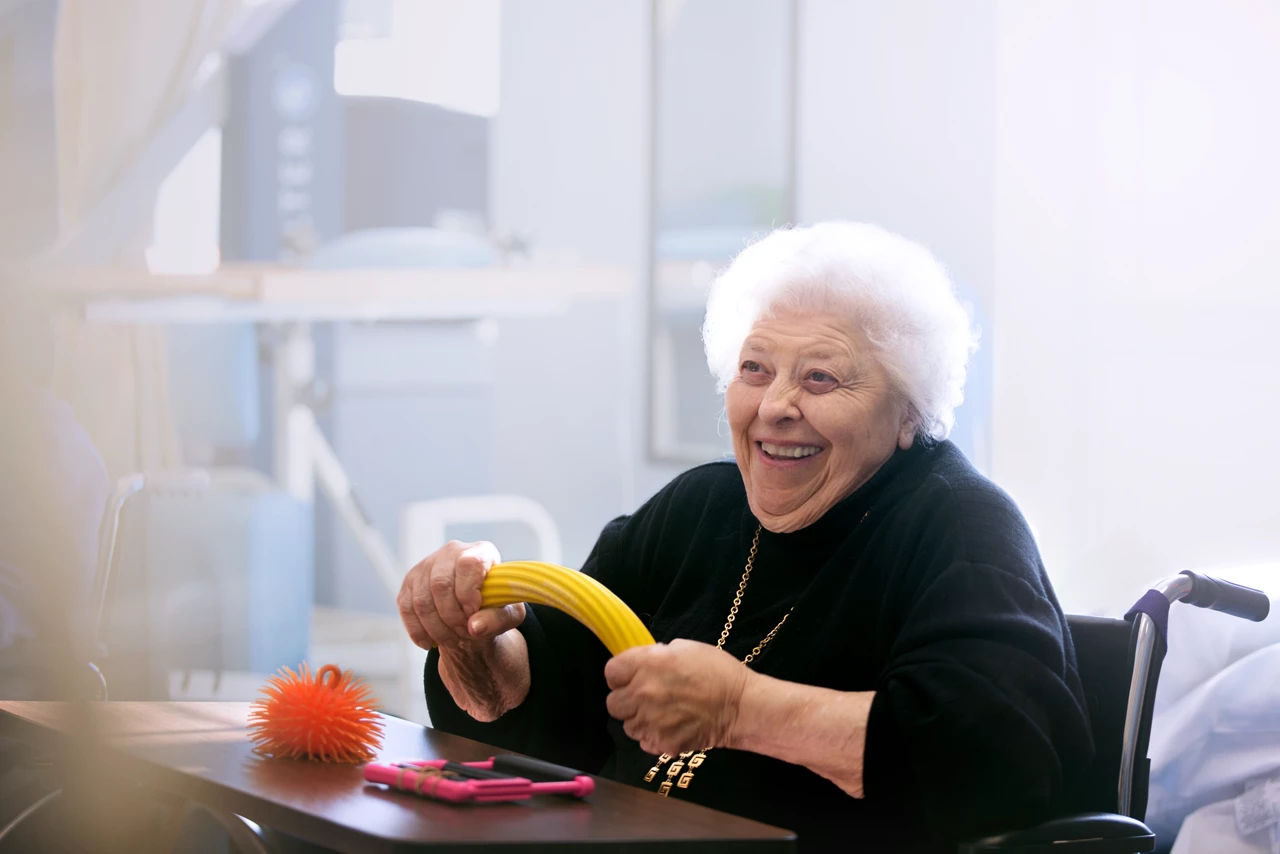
pixel 813 416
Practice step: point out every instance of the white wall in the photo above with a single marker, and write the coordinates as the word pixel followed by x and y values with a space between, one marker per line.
pixel 1135 286
pixel 896 123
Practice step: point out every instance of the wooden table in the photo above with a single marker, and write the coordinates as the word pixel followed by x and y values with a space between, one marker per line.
pixel 201 752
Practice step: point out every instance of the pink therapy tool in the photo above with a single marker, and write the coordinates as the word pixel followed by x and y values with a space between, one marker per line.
pixel 499 778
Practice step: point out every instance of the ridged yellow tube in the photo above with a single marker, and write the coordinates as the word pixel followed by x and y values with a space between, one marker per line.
pixel 580 596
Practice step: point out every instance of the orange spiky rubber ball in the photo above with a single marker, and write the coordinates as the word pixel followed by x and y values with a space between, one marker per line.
pixel 328 716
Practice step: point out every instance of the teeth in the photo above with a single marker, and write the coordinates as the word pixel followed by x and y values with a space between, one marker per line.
pixel 793 452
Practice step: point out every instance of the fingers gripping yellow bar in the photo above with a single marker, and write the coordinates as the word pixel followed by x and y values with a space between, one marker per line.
pixel 580 596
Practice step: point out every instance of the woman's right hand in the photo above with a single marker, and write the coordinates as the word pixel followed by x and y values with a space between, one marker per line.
pixel 439 599
pixel 483 664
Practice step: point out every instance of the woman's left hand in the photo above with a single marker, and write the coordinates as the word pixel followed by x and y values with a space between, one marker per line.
pixel 684 695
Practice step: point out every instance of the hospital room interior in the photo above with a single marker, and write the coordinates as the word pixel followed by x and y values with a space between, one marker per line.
pixel 296 291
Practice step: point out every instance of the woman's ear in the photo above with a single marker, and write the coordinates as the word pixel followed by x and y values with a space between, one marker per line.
pixel 907 431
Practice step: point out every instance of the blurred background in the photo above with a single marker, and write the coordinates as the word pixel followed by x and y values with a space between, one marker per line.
pixel 297 290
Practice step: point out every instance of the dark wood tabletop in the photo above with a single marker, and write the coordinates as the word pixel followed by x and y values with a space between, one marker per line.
pixel 201 751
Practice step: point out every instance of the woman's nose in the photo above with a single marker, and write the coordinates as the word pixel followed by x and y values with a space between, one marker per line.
pixel 779 402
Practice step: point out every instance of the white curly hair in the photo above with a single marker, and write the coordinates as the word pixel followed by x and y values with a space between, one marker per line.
pixel 893 288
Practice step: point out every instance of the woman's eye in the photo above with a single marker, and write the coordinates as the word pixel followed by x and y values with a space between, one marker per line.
pixel 820 380
pixel 753 372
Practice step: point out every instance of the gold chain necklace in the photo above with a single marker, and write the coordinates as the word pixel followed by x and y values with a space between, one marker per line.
pixel 695 759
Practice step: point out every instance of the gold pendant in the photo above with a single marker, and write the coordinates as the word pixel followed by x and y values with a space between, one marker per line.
pixel 695 762
pixel 657 766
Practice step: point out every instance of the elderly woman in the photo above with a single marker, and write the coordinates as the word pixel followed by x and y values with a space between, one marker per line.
pixel 857 638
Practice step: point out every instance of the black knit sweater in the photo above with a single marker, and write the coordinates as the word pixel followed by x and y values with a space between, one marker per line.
pixel 924 586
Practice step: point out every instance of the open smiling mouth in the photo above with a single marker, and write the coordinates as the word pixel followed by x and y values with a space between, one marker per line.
pixel 787 452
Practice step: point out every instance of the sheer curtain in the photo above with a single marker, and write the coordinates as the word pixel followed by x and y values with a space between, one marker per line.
pixel 121 70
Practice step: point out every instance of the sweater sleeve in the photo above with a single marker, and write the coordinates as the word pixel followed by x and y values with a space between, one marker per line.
pixel 978 718
pixel 563 719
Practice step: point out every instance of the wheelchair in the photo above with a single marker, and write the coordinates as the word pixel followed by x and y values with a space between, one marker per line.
pixel 1119 662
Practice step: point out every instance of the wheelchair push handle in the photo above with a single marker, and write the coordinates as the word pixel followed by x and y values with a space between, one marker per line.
pixel 1235 599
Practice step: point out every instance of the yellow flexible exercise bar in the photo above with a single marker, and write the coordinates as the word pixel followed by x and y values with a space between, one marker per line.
pixel 580 596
